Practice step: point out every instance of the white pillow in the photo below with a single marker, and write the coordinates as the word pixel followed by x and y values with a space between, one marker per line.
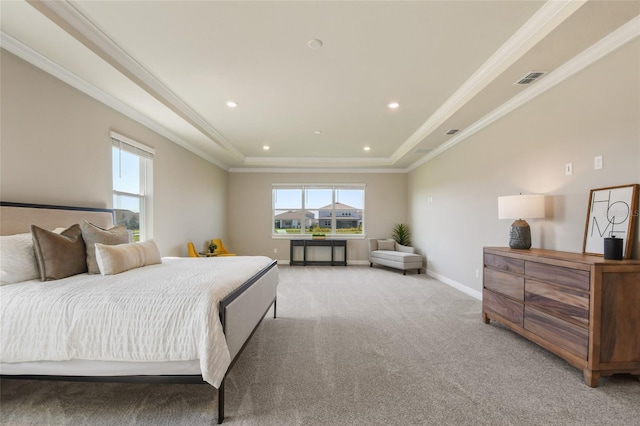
pixel 386 245
pixel 17 259
pixel 114 259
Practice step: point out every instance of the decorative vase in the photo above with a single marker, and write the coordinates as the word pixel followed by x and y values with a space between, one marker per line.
pixel 613 248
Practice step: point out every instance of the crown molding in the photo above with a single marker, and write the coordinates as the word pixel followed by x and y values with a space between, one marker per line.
pixel 81 28
pixel 545 20
pixel 323 170
pixel 265 161
pixel 603 47
pixel 45 64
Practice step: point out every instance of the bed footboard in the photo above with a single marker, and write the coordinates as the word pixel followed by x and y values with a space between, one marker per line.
pixel 242 312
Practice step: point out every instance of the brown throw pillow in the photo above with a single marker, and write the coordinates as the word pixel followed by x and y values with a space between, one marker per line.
pixel 93 234
pixel 59 255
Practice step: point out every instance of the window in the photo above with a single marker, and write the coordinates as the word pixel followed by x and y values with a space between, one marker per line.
pixel 327 209
pixel 132 185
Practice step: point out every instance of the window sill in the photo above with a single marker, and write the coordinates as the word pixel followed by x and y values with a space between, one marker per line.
pixel 308 237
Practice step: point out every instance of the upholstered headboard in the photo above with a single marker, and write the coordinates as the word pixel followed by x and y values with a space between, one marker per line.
pixel 16 218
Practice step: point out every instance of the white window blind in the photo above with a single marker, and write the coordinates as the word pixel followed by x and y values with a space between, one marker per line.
pixel 132 185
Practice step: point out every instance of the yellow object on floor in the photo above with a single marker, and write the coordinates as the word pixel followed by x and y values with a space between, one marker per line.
pixel 192 250
pixel 221 250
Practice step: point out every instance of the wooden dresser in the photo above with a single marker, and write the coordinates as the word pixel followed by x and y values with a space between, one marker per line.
pixel 585 309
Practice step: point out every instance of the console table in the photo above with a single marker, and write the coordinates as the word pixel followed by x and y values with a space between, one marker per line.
pixel 582 308
pixel 330 244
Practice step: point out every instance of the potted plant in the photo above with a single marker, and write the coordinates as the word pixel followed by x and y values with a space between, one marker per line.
pixel 212 247
pixel 401 234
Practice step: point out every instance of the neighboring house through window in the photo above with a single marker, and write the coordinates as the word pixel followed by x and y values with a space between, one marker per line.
pixel 132 185
pixel 328 209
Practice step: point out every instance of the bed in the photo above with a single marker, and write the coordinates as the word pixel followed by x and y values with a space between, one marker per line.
pixel 174 320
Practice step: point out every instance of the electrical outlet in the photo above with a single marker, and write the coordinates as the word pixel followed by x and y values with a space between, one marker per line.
pixel 430 258
pixel 477 273
pixel 597 162
pixel 568 169
pixel 275 250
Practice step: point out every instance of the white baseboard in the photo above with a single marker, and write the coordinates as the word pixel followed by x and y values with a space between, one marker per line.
pixel 461 287
pixel 349 262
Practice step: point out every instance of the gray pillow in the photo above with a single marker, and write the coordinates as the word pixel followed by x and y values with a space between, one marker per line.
pixel 59 255
pixel 386 245
pixel 93 234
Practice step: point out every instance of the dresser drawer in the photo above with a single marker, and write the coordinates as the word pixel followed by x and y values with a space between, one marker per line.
pixel 504 263
pixel 558 274
pixel 563 334
pixel 503 307
pixel 568 304
pixel 504 283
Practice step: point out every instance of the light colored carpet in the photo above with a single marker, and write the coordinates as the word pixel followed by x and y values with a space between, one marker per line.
pixel 356 346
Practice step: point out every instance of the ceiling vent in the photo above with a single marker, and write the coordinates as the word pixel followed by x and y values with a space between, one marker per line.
pixel 452 131
pixel 422 150
pixel 531 77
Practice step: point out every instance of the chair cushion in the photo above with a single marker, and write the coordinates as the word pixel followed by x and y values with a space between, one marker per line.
pixel 386 245
pixel 396 256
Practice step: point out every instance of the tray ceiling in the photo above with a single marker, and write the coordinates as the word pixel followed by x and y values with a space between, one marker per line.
pixel 174 66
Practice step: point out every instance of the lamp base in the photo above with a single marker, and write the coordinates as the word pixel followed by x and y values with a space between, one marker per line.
pixel 520 235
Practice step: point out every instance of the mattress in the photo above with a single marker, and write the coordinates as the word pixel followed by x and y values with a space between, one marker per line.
pixel 159 314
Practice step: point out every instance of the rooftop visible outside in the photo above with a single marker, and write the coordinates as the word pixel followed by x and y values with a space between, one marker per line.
pixel 326 210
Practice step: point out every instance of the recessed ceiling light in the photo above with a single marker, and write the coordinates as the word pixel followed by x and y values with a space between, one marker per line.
pixel 314 43
pixel 266 147
pixel 367 148
pixel 232 104
pixel 317 132
pixel 393 105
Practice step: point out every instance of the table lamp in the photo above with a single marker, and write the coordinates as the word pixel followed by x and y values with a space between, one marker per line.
pixel 520 207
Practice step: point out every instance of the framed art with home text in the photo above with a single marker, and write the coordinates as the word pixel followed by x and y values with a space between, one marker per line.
pixel 612 212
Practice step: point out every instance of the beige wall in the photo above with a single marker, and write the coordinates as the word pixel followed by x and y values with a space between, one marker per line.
pixel 55 149
pixel 595 112
pixel 250 209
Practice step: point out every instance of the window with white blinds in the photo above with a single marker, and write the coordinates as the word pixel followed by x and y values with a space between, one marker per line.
pixel 132 165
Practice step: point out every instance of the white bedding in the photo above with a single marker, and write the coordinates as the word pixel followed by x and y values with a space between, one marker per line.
pixel 166 312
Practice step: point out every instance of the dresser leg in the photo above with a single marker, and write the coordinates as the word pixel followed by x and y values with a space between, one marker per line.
pixel 591 378
pixel 485 318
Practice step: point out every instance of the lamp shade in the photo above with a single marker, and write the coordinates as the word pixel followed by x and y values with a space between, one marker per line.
pixel 521 207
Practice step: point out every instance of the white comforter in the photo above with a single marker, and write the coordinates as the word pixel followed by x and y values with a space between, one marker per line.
pixel 165 312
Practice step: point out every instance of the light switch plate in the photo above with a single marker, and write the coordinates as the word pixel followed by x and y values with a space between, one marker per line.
pixel 597 162
pixel 568 169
